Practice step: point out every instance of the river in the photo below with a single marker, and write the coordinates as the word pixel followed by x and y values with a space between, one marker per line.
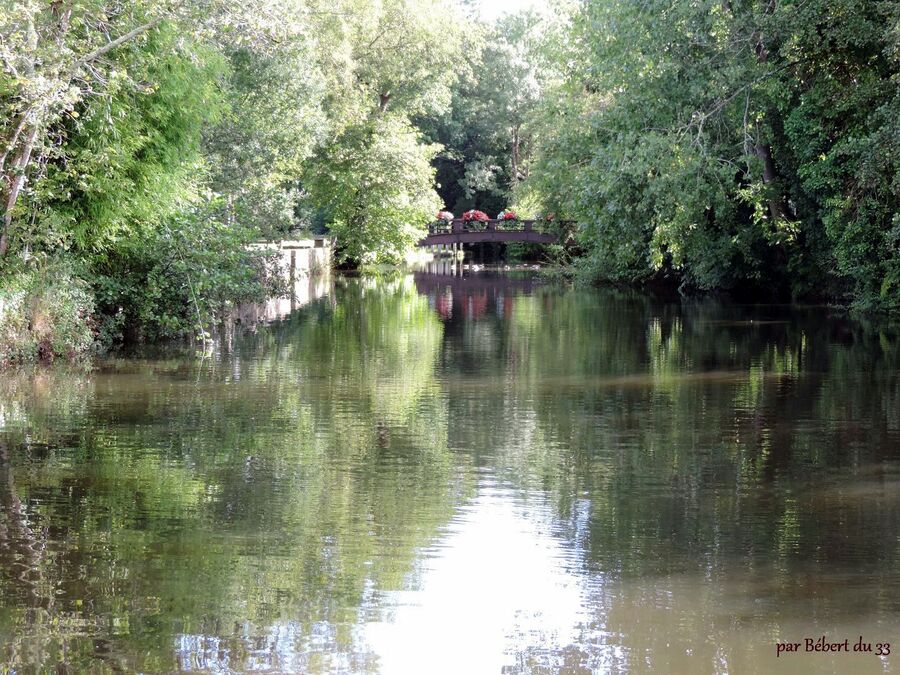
pixel 433 474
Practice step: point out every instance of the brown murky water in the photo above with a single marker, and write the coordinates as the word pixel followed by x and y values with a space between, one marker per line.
pixel 435 474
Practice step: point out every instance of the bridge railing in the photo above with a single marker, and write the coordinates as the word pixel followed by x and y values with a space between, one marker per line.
pixel 459 225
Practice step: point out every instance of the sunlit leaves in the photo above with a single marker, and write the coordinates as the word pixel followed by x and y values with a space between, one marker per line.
pixel 738 145
pixel 375 183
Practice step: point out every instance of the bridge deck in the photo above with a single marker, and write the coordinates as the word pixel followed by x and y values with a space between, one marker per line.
pixel 472 232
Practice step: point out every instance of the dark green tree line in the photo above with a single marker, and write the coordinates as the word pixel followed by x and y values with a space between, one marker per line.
pixel 738 144
pixel 142 147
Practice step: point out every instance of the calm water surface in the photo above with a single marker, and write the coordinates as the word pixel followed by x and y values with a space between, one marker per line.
pixel 436 475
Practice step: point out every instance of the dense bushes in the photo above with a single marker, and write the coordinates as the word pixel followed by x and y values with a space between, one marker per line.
pixel 182 278
pixel 45 315
pixel 734 145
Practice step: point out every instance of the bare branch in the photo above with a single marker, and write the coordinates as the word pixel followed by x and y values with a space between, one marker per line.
pixel 8 64
pixel 130 35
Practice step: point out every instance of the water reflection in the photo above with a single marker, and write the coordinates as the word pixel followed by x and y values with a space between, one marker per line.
pixel 302 290
pixel 474 474
pixel 468 610
pixel 452 291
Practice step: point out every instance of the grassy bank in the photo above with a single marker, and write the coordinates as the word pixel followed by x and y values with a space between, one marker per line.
pixel 45 315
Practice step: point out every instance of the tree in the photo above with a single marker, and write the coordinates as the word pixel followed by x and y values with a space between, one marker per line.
pixel 131 158
pixel 730 143
pixel 485 130
pixel 274 123
pixel 375 183
pixel 56 55
pixel 371 179
pixel 49 52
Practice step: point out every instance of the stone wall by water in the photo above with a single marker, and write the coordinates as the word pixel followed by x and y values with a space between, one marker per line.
pixel 306 267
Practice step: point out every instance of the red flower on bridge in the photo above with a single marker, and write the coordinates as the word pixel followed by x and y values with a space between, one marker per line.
pixel 469 216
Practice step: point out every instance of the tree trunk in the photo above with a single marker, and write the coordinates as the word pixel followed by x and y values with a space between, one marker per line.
pixel 776 204
pixel 763 149
pixel 16 178
pixel 13 141
pixel 515 156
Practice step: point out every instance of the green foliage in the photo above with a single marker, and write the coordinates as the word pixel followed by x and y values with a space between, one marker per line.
pixel 746 146
pixel 154 143
pixel 273 124
pixel 397 55
pixel 133 156
pixel 182 277
pixel 742 145
pixel 370 182
pixel 485 129
pixel 375 185
pixel 45 314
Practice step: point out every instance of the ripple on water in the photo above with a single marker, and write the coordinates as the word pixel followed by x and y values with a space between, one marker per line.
pixel 540 480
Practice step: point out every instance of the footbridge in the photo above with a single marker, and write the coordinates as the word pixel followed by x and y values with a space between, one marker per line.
pixel 460 231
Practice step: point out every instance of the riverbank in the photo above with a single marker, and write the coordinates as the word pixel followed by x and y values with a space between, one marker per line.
pixel 61 311
pixel 54 313
pixel 46 315
pixel 672 286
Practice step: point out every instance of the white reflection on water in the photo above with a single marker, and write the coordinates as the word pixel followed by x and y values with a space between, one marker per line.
pixel 498 586
pixel 508 589
pixel 501 588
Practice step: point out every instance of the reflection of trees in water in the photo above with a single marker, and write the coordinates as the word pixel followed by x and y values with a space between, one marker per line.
pixel 257 505
pixel 719 448
pixel 750 452
pixel 256 509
